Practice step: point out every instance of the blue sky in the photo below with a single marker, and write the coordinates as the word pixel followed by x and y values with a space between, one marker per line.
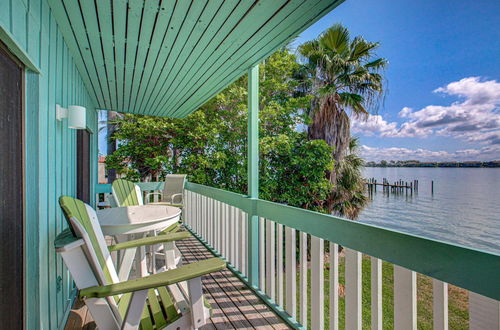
pixel 444 65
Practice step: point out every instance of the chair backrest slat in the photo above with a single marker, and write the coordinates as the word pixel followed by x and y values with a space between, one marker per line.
pixel 126 193
pixel 86 220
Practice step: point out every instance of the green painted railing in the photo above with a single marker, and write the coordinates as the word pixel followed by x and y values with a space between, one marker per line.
pixel 468 268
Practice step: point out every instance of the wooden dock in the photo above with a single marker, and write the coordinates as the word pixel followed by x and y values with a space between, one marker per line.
pixel 234 306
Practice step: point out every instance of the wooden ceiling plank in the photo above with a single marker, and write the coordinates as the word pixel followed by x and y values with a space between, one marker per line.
pixel 119 28
pixel 90 19
pixel 207 41
pixel 189 74
pixel 236 38
pixel 182 39
pixel 159 33
pixel 174 27
pixel 274 27
pixel 59 13
pixel 105 23
pixel 78 26
pixel 134 15
pixel 209 12
pixel 151 8
pixel 268 43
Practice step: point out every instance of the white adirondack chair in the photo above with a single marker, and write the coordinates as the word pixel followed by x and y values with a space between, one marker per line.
pixel 127 193
pixel 173 190
pixel 169 300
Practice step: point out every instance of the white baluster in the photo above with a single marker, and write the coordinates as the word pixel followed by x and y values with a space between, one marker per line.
pixel 440 304
pixel 303 279
pixel 291 271
pixel 271 259
pixel 376 294
pixel 262 254
pixel 279 264
pixel 405 298
pixel 352 289
pixel 334 286
pixel 484 312
pixel 317 283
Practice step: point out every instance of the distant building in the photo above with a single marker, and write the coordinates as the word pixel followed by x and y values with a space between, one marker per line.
pixel 102 175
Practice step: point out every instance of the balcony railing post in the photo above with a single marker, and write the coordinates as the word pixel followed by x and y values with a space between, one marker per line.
pixel 253 174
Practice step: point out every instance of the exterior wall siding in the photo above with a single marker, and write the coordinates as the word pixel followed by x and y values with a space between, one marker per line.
pixel 50 155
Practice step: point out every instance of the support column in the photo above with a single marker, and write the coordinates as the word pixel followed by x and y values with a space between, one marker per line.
pixel 253 174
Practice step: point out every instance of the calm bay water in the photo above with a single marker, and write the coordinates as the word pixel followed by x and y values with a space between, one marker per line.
pixel 464 208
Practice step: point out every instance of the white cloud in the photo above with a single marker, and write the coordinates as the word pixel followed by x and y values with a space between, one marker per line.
pixel 373 125
pixel 377 154
pixel 475 119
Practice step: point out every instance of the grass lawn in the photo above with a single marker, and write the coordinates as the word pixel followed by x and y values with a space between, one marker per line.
pixel 457 302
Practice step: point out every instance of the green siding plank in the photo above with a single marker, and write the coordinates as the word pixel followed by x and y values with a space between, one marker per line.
pixel 235 39
pixel 31 197
pixel 51 174
pixel 172 31
pixel 5 15
pixel 156 44
pixel 193 25
pixel 133 26
pixel 150 12
pixel 94 38
pixel 33 34
pixel 262 48
pixel 59 168
pixel 18 22
pixel 43 168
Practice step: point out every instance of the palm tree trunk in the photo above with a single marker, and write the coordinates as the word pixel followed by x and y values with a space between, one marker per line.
pixel 331 124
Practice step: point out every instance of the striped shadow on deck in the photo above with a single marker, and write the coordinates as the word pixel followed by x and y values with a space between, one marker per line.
pixel 234 306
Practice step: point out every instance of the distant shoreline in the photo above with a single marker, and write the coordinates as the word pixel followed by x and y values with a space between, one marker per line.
pixel 471 164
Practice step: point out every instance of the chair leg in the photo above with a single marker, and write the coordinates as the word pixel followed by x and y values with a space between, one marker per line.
pixel 132 319
pixel 196 302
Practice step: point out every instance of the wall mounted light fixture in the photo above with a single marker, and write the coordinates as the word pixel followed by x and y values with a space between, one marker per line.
pixel 76 116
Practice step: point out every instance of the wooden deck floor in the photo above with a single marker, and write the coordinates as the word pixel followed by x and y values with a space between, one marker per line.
pixel 234 305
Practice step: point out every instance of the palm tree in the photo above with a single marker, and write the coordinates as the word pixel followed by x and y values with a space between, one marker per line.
pixel 343 75
pixel 348 195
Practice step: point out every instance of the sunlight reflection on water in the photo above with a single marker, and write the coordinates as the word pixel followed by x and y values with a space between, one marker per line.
pixel 462 210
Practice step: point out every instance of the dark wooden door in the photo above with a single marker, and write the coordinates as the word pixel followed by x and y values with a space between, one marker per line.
pixel 83 165
pixel 11 193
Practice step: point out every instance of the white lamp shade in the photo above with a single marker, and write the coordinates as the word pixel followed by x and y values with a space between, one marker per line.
pixel 77 117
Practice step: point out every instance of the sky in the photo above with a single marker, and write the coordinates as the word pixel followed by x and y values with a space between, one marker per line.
pixel 443 79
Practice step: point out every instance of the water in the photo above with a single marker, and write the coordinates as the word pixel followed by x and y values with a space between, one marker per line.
pixel 464 208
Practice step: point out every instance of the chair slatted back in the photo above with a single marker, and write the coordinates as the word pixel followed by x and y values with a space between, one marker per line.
pixel 82 217
pixel 126 193
pixel 174 184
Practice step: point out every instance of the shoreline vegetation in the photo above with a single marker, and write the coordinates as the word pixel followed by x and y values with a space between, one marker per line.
pixel 416 163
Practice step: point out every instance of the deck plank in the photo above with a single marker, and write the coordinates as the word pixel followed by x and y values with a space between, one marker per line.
pixel 234 305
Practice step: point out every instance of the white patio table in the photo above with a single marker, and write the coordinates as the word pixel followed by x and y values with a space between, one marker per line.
pixel 136 221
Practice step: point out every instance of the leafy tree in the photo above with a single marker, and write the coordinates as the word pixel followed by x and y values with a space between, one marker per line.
pixel 210 144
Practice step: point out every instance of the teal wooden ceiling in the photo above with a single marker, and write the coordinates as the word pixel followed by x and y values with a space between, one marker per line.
pixel 166 57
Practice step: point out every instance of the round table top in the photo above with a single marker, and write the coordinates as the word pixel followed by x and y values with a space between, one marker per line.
pixel 137 219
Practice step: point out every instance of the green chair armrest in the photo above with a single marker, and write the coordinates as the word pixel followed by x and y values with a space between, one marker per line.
pixel 149 241
pixel 180 274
